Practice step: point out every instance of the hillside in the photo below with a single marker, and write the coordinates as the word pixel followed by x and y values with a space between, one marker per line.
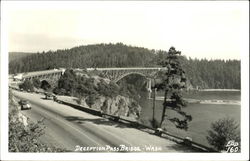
pixel 18 55
pixel 201 73
pixel 101 55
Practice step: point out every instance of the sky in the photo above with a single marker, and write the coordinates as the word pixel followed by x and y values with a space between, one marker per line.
pixel 212 30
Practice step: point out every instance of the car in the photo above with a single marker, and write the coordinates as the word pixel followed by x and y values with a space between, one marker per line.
pixel 25 105
pixel 55 98
pixel 49 95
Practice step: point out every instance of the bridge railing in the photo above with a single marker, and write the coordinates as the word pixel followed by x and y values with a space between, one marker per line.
pixel 134 68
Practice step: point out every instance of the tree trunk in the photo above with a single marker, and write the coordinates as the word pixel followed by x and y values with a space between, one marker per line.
pixel 164 108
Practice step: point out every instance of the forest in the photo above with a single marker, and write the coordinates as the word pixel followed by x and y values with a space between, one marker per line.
pixel 201 73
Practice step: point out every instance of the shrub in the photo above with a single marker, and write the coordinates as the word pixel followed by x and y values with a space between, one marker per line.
pixel 27 85
pixel 36 82
pixel 91 100
pixel 222 131
pixel 45 85
pixel 26 138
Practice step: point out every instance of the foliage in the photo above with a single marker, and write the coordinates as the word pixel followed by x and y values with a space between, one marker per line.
pixel 200 73
pixel 84 86
pixel 45 85
pixel 173 82
pixel 72 83
pixel 59 91
pixel 36 82
pixel 26 138
pixel 67 83
pixel 91 100
pixel 217 74
pixel 222 131
pixel 132 86
pixel 27 85
pixel 100 55
pixel 109 90
pixel 18 55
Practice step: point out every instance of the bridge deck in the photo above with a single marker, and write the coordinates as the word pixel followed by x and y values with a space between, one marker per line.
pixel 137 68
pixel 45 72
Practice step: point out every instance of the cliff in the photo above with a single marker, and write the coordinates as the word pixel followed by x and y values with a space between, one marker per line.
pixel 98 93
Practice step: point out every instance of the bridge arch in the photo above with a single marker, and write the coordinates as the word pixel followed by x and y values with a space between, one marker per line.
pixel 45 84
pixel 130 73
pixel 146 77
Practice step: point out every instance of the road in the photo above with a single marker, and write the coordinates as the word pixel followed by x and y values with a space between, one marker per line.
pixel 70 128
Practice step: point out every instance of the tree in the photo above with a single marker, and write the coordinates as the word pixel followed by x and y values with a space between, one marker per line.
pixel 173 81
pixel 91 99
pixel 223 131
pixel 201 72
pixel 27 85
pixel 45 85
pixel 36 82
pixel 25 138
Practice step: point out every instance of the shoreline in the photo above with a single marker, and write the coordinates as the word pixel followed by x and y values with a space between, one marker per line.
pixel 228 90
pixel 228 102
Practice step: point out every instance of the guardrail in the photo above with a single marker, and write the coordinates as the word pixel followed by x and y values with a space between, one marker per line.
pixel 135 124
pixel 84 109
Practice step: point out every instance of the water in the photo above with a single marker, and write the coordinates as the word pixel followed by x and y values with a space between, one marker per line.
pixel 203 114
pixel 214 95
pixel 210 95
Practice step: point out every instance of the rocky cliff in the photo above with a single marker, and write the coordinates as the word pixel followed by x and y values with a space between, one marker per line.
pixel 118 106
pixel 105 96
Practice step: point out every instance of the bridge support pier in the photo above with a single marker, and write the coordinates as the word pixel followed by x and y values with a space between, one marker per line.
pixel 149 85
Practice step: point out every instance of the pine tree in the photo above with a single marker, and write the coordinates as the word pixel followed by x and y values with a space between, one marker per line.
pixel 174 81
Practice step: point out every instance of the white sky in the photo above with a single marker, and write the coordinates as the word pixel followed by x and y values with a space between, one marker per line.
pixel 198 29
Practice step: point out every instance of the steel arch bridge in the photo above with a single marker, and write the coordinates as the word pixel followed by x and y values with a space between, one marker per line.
pixel 114 74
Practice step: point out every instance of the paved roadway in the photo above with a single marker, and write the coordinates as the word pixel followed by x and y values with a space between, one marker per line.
pixel 67 127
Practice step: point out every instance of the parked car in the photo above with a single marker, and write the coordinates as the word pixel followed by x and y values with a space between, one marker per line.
pixel 25 105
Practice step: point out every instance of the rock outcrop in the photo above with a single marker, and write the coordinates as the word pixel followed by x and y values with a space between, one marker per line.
pixel 118 106
pixel 96 92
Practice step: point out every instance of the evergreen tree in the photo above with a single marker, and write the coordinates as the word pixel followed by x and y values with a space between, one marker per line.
pixel 173 82
pixel 201 73
pixel 27 85
pixel 36 82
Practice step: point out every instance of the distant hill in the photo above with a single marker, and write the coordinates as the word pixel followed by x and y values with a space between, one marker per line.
pixel 100 55
pixel 18 55
pixel 202 73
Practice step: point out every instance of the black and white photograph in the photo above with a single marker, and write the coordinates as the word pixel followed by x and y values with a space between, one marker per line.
pixel 125 79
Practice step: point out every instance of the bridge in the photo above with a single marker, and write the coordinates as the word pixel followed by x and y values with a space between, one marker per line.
pixel 51 76
pixel 114 74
